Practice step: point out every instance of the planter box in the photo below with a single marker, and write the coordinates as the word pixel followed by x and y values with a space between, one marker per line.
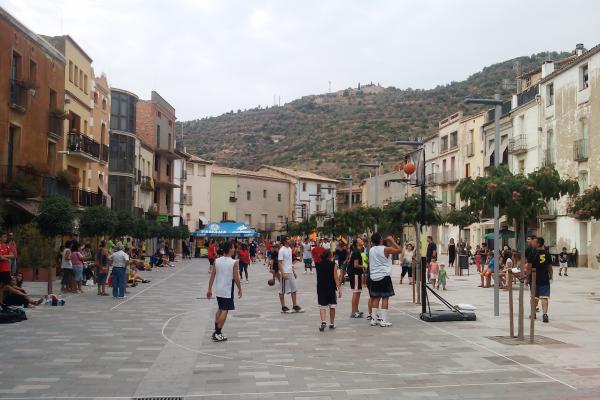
pixel 37 274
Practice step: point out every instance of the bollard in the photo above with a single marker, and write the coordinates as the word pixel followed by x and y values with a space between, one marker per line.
pixel 509 277
pixel 533 313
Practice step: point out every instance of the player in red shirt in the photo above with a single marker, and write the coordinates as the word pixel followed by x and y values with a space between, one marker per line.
pixel 316 253
pixel 212 254
pixel 6 256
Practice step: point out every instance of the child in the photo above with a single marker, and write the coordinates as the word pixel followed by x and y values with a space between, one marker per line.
pixel 442 276
pixel 478 258
pixel 434 269
pixel 224 275
pixel 486 274
pixel 327 284
pixel 562 260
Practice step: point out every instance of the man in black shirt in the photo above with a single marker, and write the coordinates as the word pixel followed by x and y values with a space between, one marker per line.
pixel 431 249
pixel 539 258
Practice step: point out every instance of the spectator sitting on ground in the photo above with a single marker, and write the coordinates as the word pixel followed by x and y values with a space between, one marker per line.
pixel 19 279
pixel 12 295
pixel 134 277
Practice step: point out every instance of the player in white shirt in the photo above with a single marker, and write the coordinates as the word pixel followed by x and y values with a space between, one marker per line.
pixel 288 276
pixel 224 275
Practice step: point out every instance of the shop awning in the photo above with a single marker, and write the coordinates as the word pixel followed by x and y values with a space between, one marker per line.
pixel 226 229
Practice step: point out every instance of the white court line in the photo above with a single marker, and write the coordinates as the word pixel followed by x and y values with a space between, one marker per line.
pixel 290 392
pixel 538 372
pixel 341 371
pixel 150 287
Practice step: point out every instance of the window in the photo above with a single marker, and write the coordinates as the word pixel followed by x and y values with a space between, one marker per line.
pixel 52 100
pixel 248 219
pixel 32 71
pixel 122 112
pixel 264 193
pixel 279 197
pixel 248 195
pixel 201 170
pixel 583 180
pixel 157 163
pixel 51 157
pixel 157 135
pixel 232 195
pixel 583 77
pixel 467 170
pixel 76 75
pixel 189 168
pixel 444 145
pixel 80 79
pixel 304 186
pixel 122 153
pixel 168 199
pixel 224 216
pixel 85 126
pixel 85 84
pixel 71 71
pixel 521 166
pixel 549 95
pixel 318 189
pixel 95 98
pixel 328 190
pixel 168 168
pixel 156 192
pixel 158 114
pixel 432 147
pixel 104 104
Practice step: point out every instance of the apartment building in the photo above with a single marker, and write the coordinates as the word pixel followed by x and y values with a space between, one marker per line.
pixel 344 194
pixel 197 193
pixel 32 97
pixel 570 114
pixel 156 127
pixel 310 193
pixel 99 125
pixel 378 191
pixel 85 156
pixel 257 199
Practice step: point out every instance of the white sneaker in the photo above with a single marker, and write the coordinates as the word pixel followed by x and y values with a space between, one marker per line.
pixel 312 272
pixel 375 322
pixel 246 280
pixel 384 324
pixel 304 272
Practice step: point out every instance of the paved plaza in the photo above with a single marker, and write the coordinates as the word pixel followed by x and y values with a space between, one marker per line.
pixel 156 343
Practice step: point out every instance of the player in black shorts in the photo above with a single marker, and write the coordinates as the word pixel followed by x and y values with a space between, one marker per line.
pixel 355 274
pixel 327 284
pixel 539 258
pixel 274 262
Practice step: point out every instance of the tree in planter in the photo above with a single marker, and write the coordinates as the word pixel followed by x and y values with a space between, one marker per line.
pixel 125 223
pixel 97 221
pixel 462 218
pixel 56 216
pixel 35 251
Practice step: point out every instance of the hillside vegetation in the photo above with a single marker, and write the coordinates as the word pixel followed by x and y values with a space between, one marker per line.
pixel 331 133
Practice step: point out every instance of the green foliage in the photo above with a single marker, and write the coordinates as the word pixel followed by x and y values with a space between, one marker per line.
pixel 34 250
pixel 463 217
pixel 141 229
pixel 56 216
pixel 125 224
pixel 97 221
pixel 587 205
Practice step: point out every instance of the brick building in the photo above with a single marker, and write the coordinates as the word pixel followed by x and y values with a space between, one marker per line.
pixel 32 93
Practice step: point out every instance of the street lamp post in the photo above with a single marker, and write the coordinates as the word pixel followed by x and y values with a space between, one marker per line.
pixel 497 103
pixel 377 166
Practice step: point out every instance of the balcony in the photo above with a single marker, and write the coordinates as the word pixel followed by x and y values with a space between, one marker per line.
pixel 83 146
pixel 266 226
pixel 18 95
pixel 55 127
pixel 581 150
pixel 469 151
pixel 146 184
pixel 517 144
pixel 448 177
pixel 550 211
pixel 527 95
pixel 53 187
pixel 432 179
pixel 186 199
pixel 86 198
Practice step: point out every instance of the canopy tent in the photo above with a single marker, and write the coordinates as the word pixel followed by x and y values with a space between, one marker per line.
pixel 504 234
pixel 226 229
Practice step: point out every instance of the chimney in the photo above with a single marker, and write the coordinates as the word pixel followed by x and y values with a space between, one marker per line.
pixel 547 68
pixel 579 49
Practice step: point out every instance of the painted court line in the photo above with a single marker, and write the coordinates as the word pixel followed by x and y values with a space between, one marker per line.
pixel 536 371
pixel 268 364
pixel 150 287
pixel 291 392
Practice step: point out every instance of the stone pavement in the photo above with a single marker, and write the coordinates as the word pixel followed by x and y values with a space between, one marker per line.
pixel 157 343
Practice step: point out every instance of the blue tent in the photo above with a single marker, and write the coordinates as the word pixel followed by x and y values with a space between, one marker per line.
pixel 226 229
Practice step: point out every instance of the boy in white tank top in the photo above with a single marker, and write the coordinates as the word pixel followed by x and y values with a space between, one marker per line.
pixel 224 275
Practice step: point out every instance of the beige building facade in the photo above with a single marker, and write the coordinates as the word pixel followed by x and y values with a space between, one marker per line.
pixel 196 196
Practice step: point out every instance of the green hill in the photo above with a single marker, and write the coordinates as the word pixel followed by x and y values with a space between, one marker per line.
pixel 331 133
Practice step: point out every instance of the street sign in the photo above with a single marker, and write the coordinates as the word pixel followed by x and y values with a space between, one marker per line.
pixel 162 218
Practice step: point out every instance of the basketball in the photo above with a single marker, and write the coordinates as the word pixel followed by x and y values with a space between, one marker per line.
pixel 409 168
pixel 271 282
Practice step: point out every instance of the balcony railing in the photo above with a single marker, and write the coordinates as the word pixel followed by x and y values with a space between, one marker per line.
pixel 448 177
pixel 146 184
pixel 18 95
pixel 80 143
pixel 186 199
pixel 469 150
pixel 581 150
pixel 517 144
pixel 55 127
pixel 86 198
pixel 527 95
pixel 433 178
pixel 266 226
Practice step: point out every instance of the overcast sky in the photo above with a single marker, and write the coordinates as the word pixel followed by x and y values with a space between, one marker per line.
pixel 207 57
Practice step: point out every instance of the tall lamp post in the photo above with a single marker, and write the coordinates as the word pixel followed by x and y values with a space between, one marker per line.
pixel 497 103
pixel 377 166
